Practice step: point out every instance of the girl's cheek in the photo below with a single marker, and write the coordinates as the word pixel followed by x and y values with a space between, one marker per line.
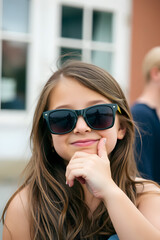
pixel 56 144
pixel 60 148
pixel 111 141
pixel 111 146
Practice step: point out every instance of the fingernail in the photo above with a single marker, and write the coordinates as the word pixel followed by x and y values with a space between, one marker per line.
pixel 104 140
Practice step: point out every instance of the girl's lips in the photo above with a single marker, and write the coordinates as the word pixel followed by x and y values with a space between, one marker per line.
pixel 84 143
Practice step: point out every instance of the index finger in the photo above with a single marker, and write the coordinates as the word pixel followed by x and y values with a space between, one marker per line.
pixel 102 151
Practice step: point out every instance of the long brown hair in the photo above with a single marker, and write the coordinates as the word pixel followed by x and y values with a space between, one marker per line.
pixel 59 212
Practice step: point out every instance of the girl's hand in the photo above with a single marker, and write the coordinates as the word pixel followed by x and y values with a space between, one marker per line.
pixel 92 170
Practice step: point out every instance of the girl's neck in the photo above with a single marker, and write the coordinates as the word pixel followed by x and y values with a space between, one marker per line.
pixel 91 201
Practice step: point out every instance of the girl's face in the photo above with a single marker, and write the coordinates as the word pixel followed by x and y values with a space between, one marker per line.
pixel 71 94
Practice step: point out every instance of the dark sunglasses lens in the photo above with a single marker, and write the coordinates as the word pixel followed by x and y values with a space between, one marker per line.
pixel 61 121
pixel 100 117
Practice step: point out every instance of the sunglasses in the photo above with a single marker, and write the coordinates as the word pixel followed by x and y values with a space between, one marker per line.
pixel 97 117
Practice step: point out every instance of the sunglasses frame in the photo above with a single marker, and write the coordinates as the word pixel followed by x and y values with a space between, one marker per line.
pixel 82 113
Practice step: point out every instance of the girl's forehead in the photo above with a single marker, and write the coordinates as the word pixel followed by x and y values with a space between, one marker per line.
pixel 69 92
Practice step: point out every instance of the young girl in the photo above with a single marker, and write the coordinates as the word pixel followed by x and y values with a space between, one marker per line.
pixel 81 181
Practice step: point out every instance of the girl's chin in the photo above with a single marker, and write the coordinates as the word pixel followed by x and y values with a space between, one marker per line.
pixel 68 157
pixel 90 151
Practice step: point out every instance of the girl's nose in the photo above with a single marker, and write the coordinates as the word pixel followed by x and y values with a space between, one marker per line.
pixel 81 126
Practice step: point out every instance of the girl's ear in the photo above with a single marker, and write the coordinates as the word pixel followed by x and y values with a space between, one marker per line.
pixel 121 131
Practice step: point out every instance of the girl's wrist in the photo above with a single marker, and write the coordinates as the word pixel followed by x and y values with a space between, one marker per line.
pixel 111 191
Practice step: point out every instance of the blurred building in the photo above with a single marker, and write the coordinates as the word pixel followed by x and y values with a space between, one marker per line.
pixel 145 34
pixel 113 34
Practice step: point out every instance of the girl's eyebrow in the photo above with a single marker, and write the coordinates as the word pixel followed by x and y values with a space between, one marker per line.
pixel 89 103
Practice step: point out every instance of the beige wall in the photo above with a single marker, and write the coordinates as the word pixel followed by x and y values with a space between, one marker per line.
pixel 145 35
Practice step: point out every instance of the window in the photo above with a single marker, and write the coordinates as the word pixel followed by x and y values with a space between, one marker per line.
pixel 87 34
pixel 14 49
pixel 102 29
pixel 71 22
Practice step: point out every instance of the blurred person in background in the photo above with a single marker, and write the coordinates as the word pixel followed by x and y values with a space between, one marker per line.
pixel 146 113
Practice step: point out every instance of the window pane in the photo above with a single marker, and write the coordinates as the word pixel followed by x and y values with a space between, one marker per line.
pixel 102 29
pixel 13 85
pixel 71 22
pixel 15 15
pixel 103 60
pixel 70 53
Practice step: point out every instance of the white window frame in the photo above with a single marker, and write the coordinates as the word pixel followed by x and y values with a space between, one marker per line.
pixel 121 34
pixel 6 114
pixel 86 44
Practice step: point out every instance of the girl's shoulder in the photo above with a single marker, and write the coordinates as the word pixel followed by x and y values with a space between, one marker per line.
pixel 148 193
pixel 148 200
pixel 16 222
pixel 146 186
